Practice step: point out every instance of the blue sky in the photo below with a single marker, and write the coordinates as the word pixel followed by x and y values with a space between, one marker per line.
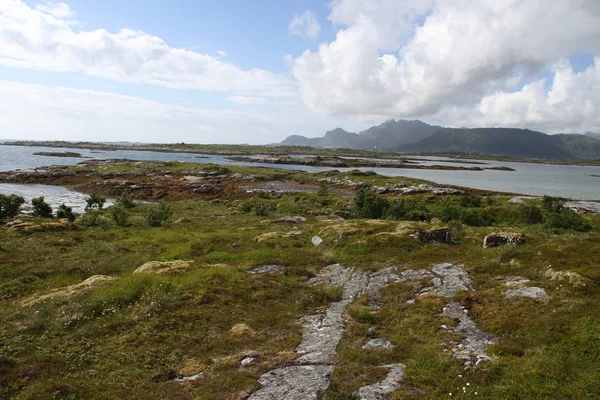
pixel 256 72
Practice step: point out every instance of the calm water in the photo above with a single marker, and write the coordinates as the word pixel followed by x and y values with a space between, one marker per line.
pixel 568 181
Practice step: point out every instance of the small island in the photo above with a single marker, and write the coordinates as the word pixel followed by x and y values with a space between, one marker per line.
pixel 69 154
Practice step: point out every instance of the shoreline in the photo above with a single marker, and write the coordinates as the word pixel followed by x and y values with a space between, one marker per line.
pixel 248 150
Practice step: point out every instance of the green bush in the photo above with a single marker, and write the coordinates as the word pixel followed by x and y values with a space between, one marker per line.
pixel 64 211
pixel 119 214
pixel 566 219
pixel 369 205
pixel 477 218
pixel 41 208
pixel 93 218
pixel 158 215
pixel 125 201
pixel 531 214
pixel 450 213
pixel 94 202
pixel 9 205
pixel 469 200
pixel 256 207
pixel 323 191
pixel 553 204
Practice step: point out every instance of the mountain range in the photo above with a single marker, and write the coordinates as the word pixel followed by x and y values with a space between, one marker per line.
pixel 418 137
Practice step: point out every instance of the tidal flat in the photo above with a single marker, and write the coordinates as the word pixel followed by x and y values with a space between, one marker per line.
pixel 222 298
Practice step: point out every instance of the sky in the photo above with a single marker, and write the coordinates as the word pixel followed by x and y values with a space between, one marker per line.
pixel 237 71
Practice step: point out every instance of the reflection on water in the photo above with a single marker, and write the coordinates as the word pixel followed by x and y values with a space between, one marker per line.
pixel 569 181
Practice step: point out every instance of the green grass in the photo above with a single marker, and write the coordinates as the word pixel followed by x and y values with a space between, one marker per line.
pixel 121 339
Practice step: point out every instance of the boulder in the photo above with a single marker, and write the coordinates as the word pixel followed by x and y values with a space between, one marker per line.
pixel 500 239
pixel 532 292
pixel 440 235
pixel 317 241
pixel 267 269
pixel 294 219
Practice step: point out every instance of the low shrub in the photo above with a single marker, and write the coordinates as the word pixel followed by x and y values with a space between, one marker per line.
pixel 94 202
pixel 566 219
pixel 158 215
pixel 531 214
pixel 9 205
pixel 93 218
pixel 64 211
pixel 41 208
pixel 119 214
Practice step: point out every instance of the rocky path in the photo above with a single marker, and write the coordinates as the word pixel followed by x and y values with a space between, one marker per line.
pixel 310 376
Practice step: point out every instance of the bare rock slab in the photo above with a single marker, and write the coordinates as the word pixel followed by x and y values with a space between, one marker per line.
pixel 448 280
pixel 381 390
pixel 532 292
pixel 475 342
pixel 298 382
pixel 267 269
pixel 378 343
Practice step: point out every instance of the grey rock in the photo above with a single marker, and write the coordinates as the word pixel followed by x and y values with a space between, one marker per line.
pixel 190 378
pixel 441 235
pixel 448 280
pixel 500 239
pixel 208 189
pixel 317 241
pixel 380 390
pixel 517 200
pixel 248 361
pixel 516 281
pixel 295 219
pixel 533 292
pixel 267 269
pixel 298 382
pixel 378 343
pixel 475 342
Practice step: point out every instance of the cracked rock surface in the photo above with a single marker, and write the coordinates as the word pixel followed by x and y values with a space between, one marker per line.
pixel 297 382
pixel 380 390
pixel 448 280
pixel 378 343
pixel 475 342
pixel 532 292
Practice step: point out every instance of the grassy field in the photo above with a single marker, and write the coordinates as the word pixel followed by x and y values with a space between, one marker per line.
pixel 130 336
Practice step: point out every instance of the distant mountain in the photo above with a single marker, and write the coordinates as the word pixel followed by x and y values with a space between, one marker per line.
pixel 594 135
pixel 388 135
pixel 416 136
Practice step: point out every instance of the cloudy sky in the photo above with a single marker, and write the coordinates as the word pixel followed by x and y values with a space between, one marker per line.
pixel 237 71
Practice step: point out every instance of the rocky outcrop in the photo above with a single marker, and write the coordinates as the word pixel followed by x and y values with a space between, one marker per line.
pixel 500 239
pixel 296 382
pixel 448 280
pixel 532 292
pixel 474 343
pixel 439 235
pixel 380 390
pixel 267 269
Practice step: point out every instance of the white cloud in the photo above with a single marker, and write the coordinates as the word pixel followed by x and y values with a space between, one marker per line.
pixel 411 58
pixel 36 39
pixel 57 10
pixel 221 54
pixel 240 99
pixel 305 25
pixel 572 104
pixel 39 112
